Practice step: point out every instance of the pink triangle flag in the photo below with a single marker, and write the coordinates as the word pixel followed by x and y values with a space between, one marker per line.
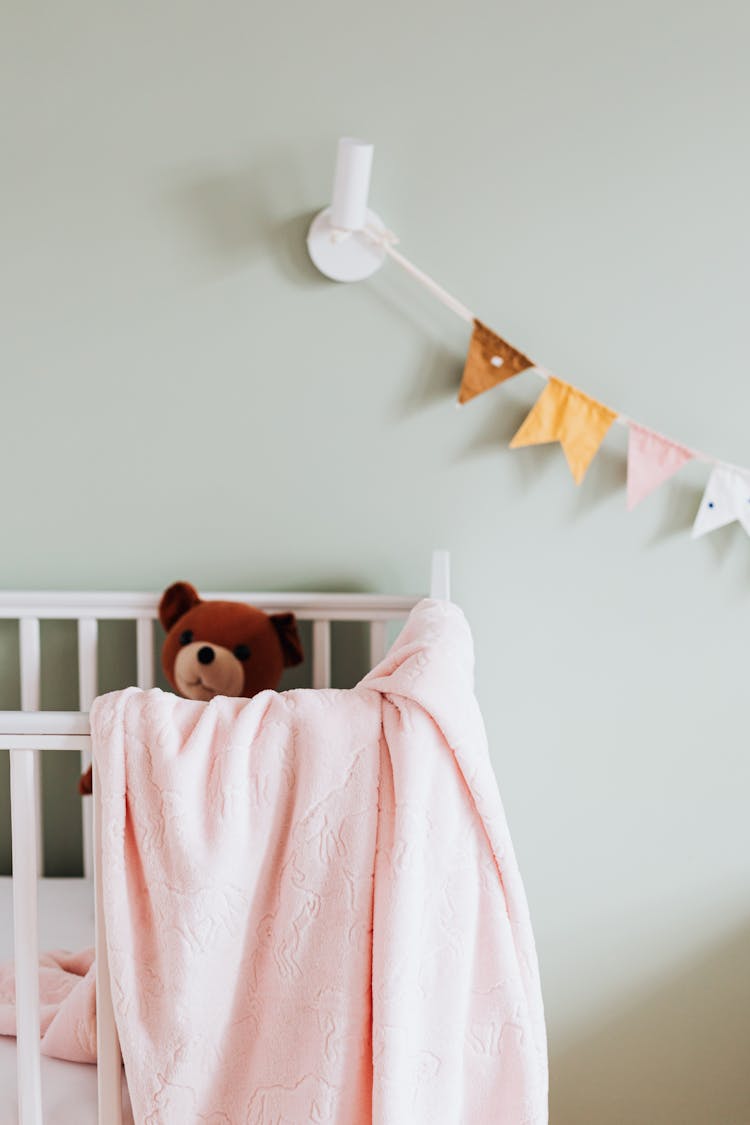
pixel 652 459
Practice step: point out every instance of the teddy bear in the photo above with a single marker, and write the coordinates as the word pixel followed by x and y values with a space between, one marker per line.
pixel 220 648
pixel 223 648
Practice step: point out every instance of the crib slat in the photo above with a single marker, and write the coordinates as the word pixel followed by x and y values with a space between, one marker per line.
pixel 321 655
pixel 144 640
pixel 378 639
pixel 28 632
pixel 31 662
pixel 109 1059
pixel 88 677
pixel 23 798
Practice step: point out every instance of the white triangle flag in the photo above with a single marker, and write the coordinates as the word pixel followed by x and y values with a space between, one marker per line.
pixel 726 499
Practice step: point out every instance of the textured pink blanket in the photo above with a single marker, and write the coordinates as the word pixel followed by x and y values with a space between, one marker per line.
pixel 67 994
pixel 313 906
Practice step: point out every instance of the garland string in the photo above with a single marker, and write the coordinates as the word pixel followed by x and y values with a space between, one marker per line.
pixel 388 241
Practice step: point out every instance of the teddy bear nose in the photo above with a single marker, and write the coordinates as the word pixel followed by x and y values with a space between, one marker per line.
pixel 205 655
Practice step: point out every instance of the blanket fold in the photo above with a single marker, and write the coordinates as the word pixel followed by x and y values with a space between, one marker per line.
pixel 314 912
pixel 67 1004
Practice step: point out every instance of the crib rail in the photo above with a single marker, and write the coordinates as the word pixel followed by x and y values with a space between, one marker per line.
pixel 64 604
pixel 27 732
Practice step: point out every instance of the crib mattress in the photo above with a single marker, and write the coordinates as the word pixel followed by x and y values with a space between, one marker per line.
pixel 66 921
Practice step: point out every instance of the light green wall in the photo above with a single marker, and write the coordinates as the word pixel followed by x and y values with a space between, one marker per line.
pixel 184 396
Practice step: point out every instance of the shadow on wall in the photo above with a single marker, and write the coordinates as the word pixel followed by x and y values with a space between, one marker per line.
pixel 238 214
pixel 677 1057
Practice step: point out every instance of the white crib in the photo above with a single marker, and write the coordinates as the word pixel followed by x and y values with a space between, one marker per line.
pixel 25 733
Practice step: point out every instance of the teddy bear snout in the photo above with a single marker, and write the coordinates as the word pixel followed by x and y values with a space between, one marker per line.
pixel 204 670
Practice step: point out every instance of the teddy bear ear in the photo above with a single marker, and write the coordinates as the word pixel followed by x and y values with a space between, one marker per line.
pixel 176 600
pixel 285 625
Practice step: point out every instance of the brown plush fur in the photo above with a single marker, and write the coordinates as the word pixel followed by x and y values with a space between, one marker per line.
pixel 249 649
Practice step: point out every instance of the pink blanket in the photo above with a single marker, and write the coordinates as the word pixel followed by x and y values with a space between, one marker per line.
pixel 313 906
pixel 67 994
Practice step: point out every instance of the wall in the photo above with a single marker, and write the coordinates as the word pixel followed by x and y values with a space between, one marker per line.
pixel 184 396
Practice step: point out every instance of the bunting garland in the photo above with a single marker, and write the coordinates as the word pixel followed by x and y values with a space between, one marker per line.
pixel 564 414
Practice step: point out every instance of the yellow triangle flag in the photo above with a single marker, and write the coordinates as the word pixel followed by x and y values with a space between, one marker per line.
pixel 489 361
pixel 563 413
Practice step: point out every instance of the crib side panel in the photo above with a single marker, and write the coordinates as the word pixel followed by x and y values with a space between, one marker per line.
pixel 89 610
pixel 25 734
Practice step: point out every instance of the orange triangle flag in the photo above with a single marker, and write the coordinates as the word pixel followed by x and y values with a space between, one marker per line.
pixel 489 361
pixel 563 413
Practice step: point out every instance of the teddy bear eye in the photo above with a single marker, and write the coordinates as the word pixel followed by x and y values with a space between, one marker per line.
pixel 186 637
pixel 241 652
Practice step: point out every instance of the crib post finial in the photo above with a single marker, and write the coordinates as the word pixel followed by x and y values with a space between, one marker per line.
pixel 440 584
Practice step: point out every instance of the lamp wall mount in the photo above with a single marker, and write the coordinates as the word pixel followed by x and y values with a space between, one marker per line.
pixel 337 241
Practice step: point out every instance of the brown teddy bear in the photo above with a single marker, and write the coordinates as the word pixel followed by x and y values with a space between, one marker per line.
pixel 223 648
pixel 220 648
